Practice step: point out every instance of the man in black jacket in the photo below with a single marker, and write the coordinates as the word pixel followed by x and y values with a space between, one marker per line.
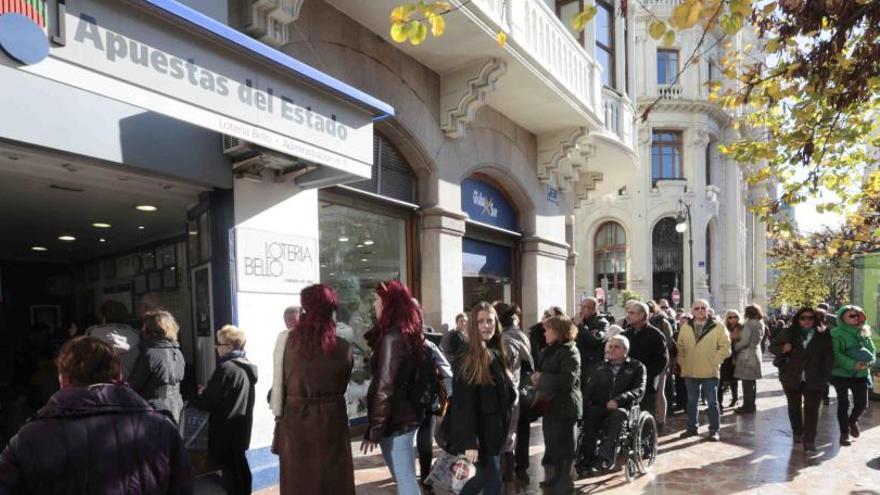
pixel 592 330
pixel 613 386
pixel 229 398
pixel 648 346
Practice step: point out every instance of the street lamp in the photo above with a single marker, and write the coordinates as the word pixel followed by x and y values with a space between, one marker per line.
pixel 683 223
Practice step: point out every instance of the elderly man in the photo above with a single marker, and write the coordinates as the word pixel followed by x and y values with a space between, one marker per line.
pixel 95 435
pixel 276 393
pixel 648 346
pixel 703 344
pixel 613 387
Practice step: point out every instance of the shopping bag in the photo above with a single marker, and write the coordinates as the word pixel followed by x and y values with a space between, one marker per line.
pixel 449 473
pixel 194 428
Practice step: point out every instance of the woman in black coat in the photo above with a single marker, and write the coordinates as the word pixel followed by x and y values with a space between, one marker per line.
pixel 560 384
pixel 158 371
pixel 805 357
pixel 484 394
pixel 229 398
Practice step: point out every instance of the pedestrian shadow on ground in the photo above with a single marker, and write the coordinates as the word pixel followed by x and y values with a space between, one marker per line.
pixel 874 463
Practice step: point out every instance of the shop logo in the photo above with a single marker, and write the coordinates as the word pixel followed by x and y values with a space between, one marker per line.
pixel 275 256
pixel 487 204
pixel 22 30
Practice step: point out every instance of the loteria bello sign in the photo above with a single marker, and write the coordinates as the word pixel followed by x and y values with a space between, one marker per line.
pixel 125 50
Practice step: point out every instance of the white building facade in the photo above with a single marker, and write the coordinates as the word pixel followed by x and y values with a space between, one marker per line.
pixel 627 237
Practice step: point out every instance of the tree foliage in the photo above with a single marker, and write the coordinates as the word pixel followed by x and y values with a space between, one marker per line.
pixel 800 282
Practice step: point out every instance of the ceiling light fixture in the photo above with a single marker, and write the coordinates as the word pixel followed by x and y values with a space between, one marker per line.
pixel 101 225
pixel 38 248
pixel 146 208
pixel 140 227
pixel 102 240
pixel 66 238
pixel 343 239
pixel 368 242
pixel 364 260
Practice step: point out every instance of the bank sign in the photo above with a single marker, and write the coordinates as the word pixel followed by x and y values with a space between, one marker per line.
pixel 122 49
pixel 486 204
pixel 274 263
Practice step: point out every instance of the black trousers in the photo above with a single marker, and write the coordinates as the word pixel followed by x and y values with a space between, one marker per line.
pixel 425 444
pixel 804 420
pixel 681 393
pixel 523 434
pixel 842 387
pixel 236 472
pixel 560 438
pixel 750 392
pixel 598 418
pixel 733 385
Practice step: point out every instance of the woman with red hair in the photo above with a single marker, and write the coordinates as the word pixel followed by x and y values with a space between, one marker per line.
pixel 397 343
pixel 312 439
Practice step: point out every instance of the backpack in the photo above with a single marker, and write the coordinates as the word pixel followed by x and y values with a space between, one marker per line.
pixel 427 391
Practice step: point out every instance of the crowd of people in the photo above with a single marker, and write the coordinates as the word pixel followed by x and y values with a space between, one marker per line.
pixel 475 390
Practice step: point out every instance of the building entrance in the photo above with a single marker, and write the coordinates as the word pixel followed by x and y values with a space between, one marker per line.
pixel 667 258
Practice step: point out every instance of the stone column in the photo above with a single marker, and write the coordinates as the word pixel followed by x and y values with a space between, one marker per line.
pixel 441 266
pixel 544 275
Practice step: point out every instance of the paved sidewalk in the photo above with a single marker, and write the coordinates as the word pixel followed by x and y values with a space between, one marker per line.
pixel 755 455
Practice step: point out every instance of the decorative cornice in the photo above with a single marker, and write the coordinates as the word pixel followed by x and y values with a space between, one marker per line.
pixel 261 14
pixel 464 91
pixel 562 155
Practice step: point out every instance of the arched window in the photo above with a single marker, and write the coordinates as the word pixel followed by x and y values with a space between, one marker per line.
pixel 610 255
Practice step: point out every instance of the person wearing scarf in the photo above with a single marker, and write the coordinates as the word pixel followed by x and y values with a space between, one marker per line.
pixel 854 353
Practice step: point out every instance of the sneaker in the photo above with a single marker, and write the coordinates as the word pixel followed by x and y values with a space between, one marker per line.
pixel 854 429
pixel 713 436
pixel 688 433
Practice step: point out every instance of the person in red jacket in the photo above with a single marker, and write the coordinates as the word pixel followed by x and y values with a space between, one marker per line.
pixel 115 443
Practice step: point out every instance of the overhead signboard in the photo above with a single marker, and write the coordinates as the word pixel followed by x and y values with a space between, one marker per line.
pixel 124 51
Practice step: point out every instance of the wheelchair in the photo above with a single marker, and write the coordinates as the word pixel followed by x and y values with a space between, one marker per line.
pixel 638 443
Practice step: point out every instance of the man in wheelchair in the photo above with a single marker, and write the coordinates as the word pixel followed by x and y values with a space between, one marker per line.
pixel 611 389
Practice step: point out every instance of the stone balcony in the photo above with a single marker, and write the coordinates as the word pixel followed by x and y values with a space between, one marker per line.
pixel 541 78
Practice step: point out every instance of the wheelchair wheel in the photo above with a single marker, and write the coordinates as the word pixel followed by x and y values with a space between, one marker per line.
pixel 645 440
pixel 630 470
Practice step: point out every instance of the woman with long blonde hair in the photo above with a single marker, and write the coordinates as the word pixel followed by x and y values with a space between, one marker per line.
pixel 481 404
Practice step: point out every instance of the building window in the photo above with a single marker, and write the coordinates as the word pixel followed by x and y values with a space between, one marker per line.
pixel 605 41
pixel 566 10
pixel 667 66
pixel 610 255
pixel 666 155
pixel 391 176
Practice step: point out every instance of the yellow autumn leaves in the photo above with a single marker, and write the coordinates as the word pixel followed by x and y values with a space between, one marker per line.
pixel 404 27
pixel 729 15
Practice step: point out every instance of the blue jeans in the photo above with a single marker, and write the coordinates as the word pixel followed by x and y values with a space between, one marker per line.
pixel 487 479
pixel 398 453
pixel 710 391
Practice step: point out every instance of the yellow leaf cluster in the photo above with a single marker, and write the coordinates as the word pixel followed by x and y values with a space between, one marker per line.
pixel 582 18
pixel 404 28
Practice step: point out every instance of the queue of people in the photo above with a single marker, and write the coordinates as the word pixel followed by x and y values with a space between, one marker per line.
pixel 488 379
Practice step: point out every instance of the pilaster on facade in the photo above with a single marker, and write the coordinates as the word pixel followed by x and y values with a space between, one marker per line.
pixel 436 218
pixel 464 91
pixel 269 20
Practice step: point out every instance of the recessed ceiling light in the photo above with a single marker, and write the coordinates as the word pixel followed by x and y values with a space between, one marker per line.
pixel 368 242
pixel 101 225
pixel 102 240
pixel 140 227
pixel 38 248
pixel 66 238
pixel 332 273
pixel 146 208
pixel 363 259
pixel 343 239
pixel 360 245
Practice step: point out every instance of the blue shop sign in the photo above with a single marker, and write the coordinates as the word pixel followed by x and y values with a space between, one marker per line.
pixel 485 259
pixel 485 204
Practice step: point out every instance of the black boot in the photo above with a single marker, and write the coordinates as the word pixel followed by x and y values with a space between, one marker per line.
pixel 549 476
pixel 564 484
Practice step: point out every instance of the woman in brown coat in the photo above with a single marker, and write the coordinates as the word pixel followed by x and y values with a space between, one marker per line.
pixel 312 437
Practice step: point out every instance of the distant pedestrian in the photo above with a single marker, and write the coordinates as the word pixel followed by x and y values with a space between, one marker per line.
pixel 830 320
pixel 747 363
pixel 559 381
pixel 453 342
pixel 95 435
pixel 480 411
pixel 666 379
pixel 703 344
pixel 392 417
pixel 229 398
pixel 854 354
pixel 160 367
pixel 805 357
pixel 733 322
pixel 312 438
pixel 277 393
pixel 522 365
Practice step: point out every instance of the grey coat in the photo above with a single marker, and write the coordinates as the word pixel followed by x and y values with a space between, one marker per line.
pixel 748 351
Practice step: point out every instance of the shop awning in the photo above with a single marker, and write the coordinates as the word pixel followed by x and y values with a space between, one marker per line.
pixel 164 57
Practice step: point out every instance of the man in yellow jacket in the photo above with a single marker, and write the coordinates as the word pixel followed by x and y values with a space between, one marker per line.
pixel 703 344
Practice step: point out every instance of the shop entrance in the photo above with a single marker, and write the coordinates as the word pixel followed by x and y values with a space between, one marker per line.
pixel 667 256
pixel 73 236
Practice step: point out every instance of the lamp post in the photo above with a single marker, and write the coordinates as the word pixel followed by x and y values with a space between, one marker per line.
pixel 682 223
